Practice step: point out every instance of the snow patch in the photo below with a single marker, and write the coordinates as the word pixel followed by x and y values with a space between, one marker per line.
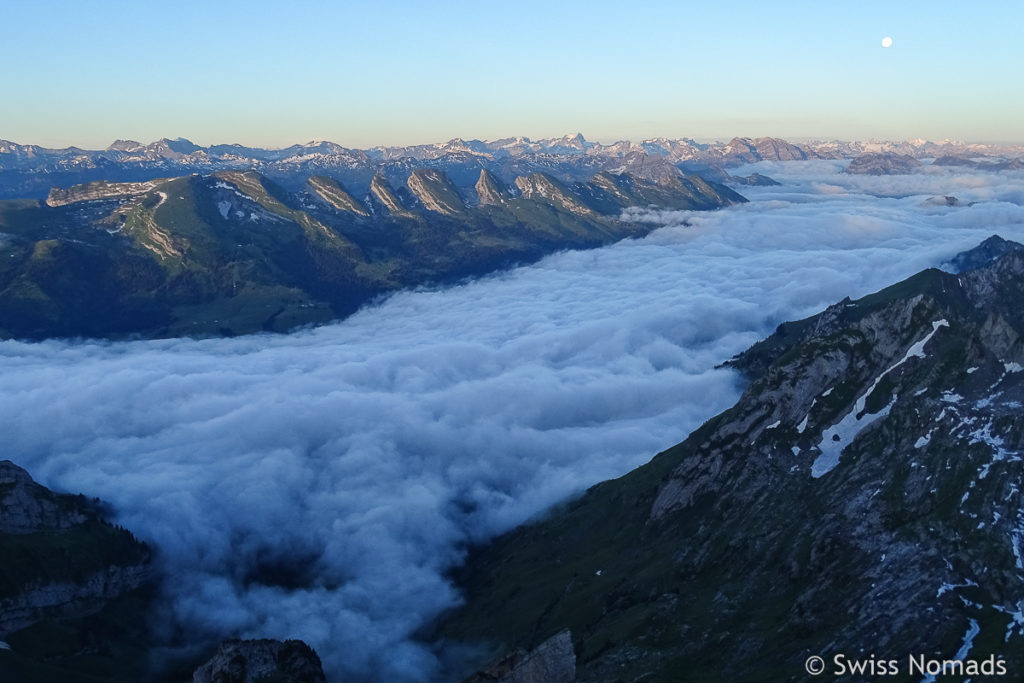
pixel 773 425
pixel 949 587
pixel 835 438
pixel 917 350
pixel 1016 620
pixel 972 631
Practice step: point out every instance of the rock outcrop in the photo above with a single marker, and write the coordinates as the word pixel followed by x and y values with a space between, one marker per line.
pixel 435 191
pixel 337 196
pixel 553 661
pixel 49 599
pixel 489 189
pixel 381 189
pixel 26 507
pixel 261 661
pixel 544 187
pixel 60 558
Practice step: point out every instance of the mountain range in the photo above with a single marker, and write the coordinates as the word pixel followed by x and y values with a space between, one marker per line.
pixel 171 238
pixel 233 252
pixel 29 171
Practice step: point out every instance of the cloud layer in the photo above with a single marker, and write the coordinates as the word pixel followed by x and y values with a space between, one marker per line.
pixel 318 485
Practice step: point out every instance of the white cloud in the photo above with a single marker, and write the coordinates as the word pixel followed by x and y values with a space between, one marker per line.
pixel 368 453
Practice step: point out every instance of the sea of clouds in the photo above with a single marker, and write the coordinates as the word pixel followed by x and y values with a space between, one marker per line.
pixel 318 485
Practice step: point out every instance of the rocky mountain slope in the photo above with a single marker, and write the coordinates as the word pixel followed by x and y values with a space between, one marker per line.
pixel 77 603
pixel 234 252
pixel 861 502
pixel 67 579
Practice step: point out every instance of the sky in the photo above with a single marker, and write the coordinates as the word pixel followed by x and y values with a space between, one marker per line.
pixel 366 454
pixel 391 73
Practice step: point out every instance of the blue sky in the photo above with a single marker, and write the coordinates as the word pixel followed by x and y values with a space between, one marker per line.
pixel 273 74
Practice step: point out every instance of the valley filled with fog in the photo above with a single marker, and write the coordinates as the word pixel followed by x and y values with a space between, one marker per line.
pixel 318 485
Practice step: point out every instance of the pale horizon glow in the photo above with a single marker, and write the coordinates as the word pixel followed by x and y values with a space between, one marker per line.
pixel 400 73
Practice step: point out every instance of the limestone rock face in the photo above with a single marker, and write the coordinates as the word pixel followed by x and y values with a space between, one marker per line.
pixel 26 507
pixel 252 661
pixel 489 189
pixel 553 661
pixel 436 191
pixel 337 196
pixel 70 599
pixel 60 558
pixel 543 186
pixel 385 194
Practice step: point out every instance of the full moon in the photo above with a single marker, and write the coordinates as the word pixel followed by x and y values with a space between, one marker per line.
pixel 887 42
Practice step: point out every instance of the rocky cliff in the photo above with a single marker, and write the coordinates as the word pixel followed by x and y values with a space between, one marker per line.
pixel 382 191
pixel 435 191
pixel 261 661
pixel 544 187
pixel 60 558
pixel 489 189
pixel 553 661
pixel 337 196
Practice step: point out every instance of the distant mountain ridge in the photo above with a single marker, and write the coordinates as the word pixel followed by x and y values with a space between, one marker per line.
pixel 234 252
pixel 28 171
